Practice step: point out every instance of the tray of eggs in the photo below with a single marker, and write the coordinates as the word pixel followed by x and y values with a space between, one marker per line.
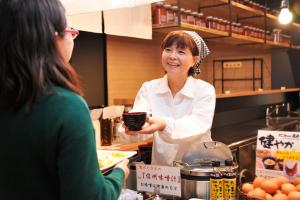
pixel 279 188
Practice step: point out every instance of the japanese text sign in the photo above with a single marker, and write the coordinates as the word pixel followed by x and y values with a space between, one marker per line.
pixel 160 179
pixel 278 154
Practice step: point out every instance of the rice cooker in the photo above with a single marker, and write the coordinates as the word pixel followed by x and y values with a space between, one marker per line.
pixel 196 167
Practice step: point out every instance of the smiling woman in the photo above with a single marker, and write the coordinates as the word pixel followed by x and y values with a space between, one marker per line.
pixel 181 107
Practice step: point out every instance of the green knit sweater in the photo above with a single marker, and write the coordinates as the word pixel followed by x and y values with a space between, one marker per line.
pixel 50 153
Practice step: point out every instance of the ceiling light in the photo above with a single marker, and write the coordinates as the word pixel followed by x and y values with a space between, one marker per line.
pixel 285 16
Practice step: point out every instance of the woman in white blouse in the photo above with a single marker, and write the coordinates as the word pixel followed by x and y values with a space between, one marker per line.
pixel 182 107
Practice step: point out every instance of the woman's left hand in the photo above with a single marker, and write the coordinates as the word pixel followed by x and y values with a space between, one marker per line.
pixel 153 125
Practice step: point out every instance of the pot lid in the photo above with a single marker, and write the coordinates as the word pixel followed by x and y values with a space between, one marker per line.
pixel 205 152
pixel 201 169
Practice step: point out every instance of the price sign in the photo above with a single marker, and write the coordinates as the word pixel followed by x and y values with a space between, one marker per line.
pixel 161 179
pixel 278 154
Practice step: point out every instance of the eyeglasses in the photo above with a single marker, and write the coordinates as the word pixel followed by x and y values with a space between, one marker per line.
pixel 72 31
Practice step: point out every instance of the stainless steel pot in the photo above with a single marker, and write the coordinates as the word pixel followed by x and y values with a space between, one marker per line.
pixel 195 168
pixel 195 179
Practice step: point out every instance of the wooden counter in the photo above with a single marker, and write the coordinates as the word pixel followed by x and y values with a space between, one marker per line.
pixel 127 147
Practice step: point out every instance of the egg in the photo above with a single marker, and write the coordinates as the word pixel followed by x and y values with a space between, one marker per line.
pixel 278 192
pixel 296 181
pixel 258 181
pixel 281 180
pixel 294 195
pixel 247 187
pixel 250 194
pixel 286 188
pixel 298 187
pixel 259 193
pixel 268 197
pixel 280 197
pixel 269 186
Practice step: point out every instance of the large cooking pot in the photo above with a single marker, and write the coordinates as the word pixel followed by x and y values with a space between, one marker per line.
pixel 196 167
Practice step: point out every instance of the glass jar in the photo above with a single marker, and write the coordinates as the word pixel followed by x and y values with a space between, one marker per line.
pixel 227 25
pixel 159 13
pixel 188 15
pixel 193 18
pixel 268 36
pixel 200 19
pixel 175 13
pixel 246 31
pixel 276 35
pixel 168 13
pixel 215 24
pixel 183 15
pixel 233 27
pixel 209 22
pixel 239 28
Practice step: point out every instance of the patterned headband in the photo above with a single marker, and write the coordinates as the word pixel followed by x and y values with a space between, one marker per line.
pixel 202 48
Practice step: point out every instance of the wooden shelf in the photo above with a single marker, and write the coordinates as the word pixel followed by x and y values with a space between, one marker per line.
pixel 247 8
pixel 276 44
pixel 203 31
pixel 220 8
pixel 247 38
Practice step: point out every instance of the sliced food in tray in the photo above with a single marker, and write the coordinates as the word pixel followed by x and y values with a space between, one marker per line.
pixel 109 158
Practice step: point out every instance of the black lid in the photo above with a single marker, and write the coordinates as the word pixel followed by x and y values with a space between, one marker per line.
pixel 215 163
pixel 228 162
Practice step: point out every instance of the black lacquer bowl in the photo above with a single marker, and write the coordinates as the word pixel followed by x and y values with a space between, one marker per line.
pixel 134 120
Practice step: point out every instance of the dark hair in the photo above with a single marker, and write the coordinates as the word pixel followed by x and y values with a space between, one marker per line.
pixel 30 61
pixel 182 40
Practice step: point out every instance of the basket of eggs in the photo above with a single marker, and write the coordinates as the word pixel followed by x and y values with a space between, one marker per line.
pixel 279 188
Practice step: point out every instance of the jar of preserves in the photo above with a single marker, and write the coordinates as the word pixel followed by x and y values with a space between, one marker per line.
pixel 268 36
pixel 159 13
pixel 183 15
pixel 168 13
pixel 188 16
pixel 209 22
pixel 276 35
pixel 239 28
pixel 194 18
pixel 214 22
pixel 246 30
pixel 200 19
pixel 175 13
pixel 227 25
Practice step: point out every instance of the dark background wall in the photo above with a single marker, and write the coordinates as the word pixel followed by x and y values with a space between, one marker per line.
pixel 285 67
pixel 88 60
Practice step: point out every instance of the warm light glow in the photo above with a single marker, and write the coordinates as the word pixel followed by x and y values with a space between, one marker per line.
pixel 285 16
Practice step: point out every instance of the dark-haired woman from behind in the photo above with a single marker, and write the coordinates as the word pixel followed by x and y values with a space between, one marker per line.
pixel 47 145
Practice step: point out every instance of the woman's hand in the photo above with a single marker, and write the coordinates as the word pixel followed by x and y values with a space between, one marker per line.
pixel 124 166
pixel 151 126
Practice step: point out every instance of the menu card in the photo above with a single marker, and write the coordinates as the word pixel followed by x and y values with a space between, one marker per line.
pixel 278 154
pixel 158 179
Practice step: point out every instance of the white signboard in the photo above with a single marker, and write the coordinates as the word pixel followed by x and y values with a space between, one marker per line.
pixel 160 179
pixel 278 154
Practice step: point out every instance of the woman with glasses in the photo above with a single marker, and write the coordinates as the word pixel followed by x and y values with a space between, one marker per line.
pixel 181 106
pixel 47 145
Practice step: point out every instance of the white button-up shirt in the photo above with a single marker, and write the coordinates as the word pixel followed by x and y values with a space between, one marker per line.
pixel 188 115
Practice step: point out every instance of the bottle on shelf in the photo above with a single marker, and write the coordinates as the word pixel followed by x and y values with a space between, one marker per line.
pixel 229 181
pixel 183 15
pixel 209 22
pixel 159 13
pixel 174 9
pixel 188 16
pixel 169 15
pixel 216 182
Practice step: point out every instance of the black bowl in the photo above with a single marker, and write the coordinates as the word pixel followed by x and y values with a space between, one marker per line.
pixel 134 120
pixel 269 162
